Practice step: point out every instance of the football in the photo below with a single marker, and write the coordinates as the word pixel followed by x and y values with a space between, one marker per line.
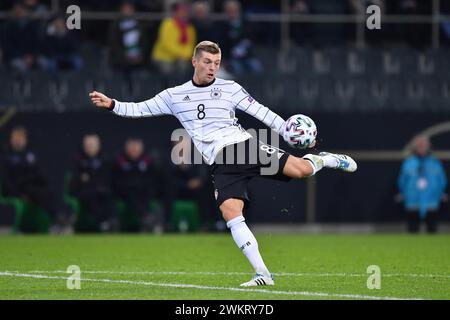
pixel 300 131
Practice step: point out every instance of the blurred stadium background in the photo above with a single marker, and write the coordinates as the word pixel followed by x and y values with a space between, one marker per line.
pixel 369 91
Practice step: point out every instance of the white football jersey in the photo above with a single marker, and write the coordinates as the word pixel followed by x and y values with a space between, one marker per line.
pixel 206 112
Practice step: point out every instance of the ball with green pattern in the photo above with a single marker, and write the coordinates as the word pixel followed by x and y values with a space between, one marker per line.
pixel 300 131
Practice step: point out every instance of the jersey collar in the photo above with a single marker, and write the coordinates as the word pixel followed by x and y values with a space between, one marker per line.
pixel 203 85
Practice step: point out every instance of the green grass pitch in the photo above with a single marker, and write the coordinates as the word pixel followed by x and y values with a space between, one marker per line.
pixel 202 266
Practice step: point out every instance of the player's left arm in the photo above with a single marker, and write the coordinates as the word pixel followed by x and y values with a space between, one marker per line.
pixel 249 105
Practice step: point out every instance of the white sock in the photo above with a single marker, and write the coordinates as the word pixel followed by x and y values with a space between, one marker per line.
pixel 316 162
pixel 330 161
pixel 246 241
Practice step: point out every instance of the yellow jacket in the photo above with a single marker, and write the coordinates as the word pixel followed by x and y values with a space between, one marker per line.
pixel 168 47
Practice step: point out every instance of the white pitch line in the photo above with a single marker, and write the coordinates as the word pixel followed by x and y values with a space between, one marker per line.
pixel 192 286
pixel 282 274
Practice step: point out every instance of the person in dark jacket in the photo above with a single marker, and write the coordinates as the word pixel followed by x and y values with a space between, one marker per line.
pixel 22 176
pixel 61 47
pixel 134 181
pixel 202 22
pixel 19 41
pixel 128 40
pixel 90 183
pixel 237 44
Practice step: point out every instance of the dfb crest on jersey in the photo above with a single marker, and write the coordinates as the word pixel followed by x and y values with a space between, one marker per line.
pixel 216 93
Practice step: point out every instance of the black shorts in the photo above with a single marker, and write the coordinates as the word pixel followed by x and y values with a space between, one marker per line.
pixel 232 176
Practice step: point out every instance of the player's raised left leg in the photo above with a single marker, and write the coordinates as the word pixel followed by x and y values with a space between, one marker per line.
pixel 310 164
pixel 338 161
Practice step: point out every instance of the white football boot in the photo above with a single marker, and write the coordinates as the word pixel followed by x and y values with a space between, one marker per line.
pixel 345 163
pixel 259 280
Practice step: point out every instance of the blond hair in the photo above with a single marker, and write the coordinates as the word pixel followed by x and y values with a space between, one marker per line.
pixel 207 46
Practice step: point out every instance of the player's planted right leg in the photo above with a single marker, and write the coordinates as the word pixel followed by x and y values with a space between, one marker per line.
pixel 259 280
pixel 246 241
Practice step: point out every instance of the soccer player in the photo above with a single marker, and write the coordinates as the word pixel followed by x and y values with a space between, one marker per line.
pixel 205 106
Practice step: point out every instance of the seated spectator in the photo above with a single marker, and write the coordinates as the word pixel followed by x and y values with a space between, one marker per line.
pixel 422 182
pixel 127 40
pixel 90 183
pixel 300 30
pixel 35 7
pixel 192 182
pixel 21 176
pixel 416 35
pixel 176 41
pixel 61 47
pixel 237 45
pixel 94 31
pixel 20 41
pixel 134 181
pixel 204 26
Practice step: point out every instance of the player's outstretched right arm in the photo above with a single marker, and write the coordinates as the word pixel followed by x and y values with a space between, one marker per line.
pixel 100 100
pixel 156 106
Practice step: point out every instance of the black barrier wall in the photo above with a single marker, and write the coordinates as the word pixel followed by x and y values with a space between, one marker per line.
pixel 366 196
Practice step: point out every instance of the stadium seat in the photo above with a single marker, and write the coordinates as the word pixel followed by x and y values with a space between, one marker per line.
pixel 328 99
pixel 112 85
pixel 356 62
pixel 374 61
pixel 416 93
pixel 379 94
pixel 268 88
pixel 345 92
pixel 321 62
pixel 21 93
pixel 84 222
pixel 19 208
pixel 426 64
pixel 185 216
pixel 396 92
pixel 408 59
pixel 71 92
pixel 308 92
pixel 363 101
pixel 396 61
pixel 129 221
pixel 38 91
pixel 28 217
pixel 339 62
pixel 144 85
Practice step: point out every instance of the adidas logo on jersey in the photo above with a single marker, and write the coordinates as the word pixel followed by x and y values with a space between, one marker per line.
pixel 186 98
